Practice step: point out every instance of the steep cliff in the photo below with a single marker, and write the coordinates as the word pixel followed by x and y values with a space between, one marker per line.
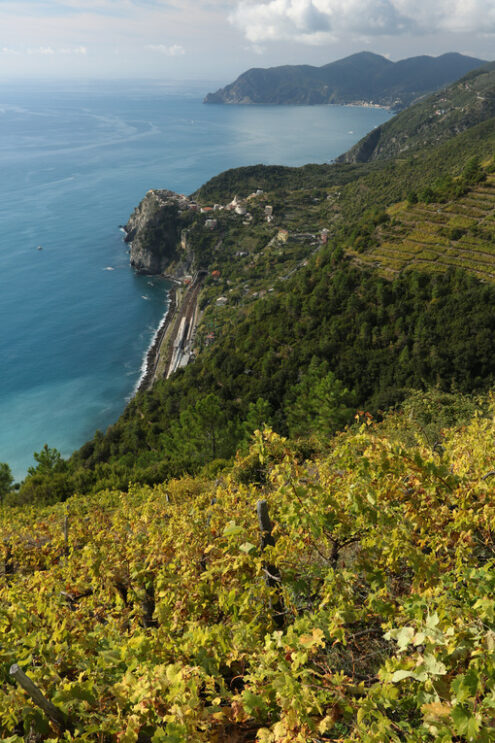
pixel 153 230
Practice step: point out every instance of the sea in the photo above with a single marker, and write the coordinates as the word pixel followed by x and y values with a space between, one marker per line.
pixel 75 159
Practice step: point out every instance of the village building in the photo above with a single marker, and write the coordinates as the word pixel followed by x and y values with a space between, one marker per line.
pixel 233 204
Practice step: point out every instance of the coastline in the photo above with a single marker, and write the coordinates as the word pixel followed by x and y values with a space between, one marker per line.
pixel 151 357
pixel 169 348
pixel 350 104
pixel 362 104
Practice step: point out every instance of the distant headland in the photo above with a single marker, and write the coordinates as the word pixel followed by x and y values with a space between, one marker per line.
pixel 362 79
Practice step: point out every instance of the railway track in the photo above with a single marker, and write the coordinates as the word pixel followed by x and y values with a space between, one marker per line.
pixel 179 345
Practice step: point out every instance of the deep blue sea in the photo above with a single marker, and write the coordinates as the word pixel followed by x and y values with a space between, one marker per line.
pixel 74 162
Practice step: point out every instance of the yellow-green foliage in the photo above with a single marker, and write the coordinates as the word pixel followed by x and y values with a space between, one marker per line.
pixel 438 235
pixel 157 623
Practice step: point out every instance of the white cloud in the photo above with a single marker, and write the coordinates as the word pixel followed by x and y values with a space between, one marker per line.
pixel 175 50
pixel 45 51
pixel 77 50
pixel 49 51
pixel 256 49
pixel 318 21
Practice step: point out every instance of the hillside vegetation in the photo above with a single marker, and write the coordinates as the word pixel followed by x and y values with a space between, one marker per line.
pixel 363 77
pixel 300 315
pixel 368 616
pixel 439 233
pixel 331 577
pixel 441 116
pixel 338 339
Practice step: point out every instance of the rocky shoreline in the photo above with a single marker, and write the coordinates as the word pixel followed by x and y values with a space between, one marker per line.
pixel 154 350
pixel 158 247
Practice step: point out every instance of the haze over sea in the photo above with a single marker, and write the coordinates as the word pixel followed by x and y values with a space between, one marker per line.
pixel 74 161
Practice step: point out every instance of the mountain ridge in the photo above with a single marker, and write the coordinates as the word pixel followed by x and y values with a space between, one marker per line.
pixel 365 78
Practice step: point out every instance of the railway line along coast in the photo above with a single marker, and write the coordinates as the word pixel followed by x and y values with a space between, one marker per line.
pixel 175 339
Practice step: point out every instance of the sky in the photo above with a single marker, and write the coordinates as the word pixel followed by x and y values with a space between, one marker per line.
pixel 219 39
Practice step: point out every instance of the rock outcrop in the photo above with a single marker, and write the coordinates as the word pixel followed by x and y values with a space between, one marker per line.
pixel 153 232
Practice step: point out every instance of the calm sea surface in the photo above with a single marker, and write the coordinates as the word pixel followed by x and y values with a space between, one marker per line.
pixel 74 162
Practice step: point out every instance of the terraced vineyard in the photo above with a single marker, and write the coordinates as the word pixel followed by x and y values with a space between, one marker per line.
pixel 438 236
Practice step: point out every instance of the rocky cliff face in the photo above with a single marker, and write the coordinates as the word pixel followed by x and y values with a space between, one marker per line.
pixel 153 231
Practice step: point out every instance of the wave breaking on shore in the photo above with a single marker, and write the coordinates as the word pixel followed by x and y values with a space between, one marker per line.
pixel 150 358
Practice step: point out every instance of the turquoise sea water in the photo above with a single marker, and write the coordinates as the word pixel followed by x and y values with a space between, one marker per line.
pixel 74 161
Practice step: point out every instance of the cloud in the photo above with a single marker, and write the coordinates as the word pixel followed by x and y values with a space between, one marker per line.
pixel 77 50
pixel 175 50
pixel 256 49
pixel 318 21
pixel 45 51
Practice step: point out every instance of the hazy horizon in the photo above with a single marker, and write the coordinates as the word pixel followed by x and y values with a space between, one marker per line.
pixel 219 39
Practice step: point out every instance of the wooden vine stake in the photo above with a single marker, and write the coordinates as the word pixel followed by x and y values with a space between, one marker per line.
pixel 66 535
pixel 272 573
pixel 53 713
pixel 8 566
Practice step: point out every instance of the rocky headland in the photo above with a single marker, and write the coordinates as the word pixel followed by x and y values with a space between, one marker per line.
pixel 159 246
pixel 154 234
pixel 360 79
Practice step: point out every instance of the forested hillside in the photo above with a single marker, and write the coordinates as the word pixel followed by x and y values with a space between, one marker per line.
pixel 307 317
pixel 441 116
pixel 362 77
pixel 368 340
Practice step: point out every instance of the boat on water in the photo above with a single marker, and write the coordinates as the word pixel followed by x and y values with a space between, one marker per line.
pixel 39 247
